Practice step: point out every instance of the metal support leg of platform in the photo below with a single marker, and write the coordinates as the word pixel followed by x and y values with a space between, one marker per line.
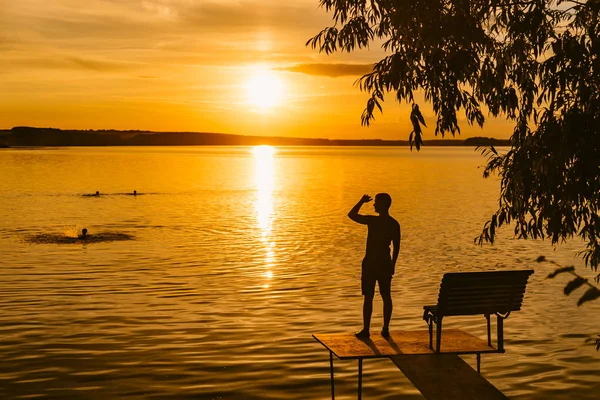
pixel 332 380
pixel 359 378
pixel 479 363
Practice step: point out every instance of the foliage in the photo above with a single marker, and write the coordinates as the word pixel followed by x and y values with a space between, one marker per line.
pixel 533 61
pixel 592 293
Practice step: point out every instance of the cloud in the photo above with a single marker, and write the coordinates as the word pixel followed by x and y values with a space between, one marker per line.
pixel 166 31
pixel 98 65
pixel 331 70
pixel 245 16
pixel 47 61
pixel 137 19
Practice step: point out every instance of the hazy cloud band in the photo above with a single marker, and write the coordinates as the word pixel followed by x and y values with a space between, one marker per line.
pixel 331 70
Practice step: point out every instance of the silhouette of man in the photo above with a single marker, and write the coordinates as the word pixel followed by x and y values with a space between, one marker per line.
pixel 378 266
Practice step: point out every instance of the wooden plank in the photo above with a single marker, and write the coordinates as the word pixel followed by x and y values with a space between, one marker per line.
pixel 454 341
pixel 470 285
pixel 485 280
pixel 485 274
pixel 506 300
pixel 510 305
pixel 496 290
pixel 477 311
pixel 445 377
pixel 489 281
pixel 489 292
pixel 485 307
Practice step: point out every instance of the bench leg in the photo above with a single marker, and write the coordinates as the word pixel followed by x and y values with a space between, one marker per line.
pixel 331 370
pixel 500 333
pixel 359 378
pixel 438 336
pixel 430 323
pixel 487 316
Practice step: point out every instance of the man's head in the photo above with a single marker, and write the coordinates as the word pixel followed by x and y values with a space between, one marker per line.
pixel 383 201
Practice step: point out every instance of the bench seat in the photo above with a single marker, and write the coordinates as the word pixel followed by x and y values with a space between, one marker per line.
pixel 477 293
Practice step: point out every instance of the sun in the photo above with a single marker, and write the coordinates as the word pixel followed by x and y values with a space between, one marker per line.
pixel 263 152
pixel 265 90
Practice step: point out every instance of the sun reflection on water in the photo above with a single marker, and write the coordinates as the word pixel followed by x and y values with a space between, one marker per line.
pixel 264 181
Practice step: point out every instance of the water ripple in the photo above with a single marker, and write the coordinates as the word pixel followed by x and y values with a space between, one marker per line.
pixel 229 275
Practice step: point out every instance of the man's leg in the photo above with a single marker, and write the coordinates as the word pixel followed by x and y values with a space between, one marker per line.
pixel 367 311
pixel 387 310
pixel 368 291
pixel 385 289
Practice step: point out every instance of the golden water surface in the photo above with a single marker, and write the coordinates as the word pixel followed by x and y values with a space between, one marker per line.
pixel 235 256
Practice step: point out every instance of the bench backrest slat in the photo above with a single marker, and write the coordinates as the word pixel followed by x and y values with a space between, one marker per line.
pixel 468 293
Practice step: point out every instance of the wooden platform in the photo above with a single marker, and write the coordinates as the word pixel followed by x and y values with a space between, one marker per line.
pixel 347 346
pixel 436 376
pixel 446 377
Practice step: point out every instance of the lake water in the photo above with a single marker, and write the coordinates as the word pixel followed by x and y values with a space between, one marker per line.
pixel 238 255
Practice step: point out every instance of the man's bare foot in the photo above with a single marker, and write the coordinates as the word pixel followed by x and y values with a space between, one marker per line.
pixel 364 334
pixel 385 332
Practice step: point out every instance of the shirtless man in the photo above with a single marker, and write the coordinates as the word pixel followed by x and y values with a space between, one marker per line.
pixel 378 266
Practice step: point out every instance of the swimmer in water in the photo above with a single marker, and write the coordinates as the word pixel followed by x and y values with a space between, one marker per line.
pixel 97 193
pixel 83 234
pixel 135 192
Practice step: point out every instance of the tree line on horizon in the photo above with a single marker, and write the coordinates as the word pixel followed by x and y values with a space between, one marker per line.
pixel 30 136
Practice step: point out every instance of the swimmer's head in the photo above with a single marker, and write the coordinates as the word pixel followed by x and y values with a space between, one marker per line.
pixel 83 232
pixel 97 193
pixel 383 201
pixel 135 192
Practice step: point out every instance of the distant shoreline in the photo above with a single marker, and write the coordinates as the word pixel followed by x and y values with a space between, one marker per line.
pixel 31 137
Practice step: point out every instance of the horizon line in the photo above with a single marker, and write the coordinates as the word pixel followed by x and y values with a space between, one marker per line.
pixel 142 131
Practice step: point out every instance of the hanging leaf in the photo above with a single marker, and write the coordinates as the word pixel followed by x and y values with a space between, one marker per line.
pixel 591 294
pixel 574 284
pixel 560 271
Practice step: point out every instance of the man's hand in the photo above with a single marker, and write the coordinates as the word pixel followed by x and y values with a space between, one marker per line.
pixel 366 198
pixel 355 216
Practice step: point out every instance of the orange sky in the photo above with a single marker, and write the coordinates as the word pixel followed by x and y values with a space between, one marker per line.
pixel 192 65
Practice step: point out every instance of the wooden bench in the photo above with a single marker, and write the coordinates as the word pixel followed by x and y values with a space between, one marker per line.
pixel 475 293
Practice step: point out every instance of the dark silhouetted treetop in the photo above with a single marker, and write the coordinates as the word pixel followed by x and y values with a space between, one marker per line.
pixel 534 62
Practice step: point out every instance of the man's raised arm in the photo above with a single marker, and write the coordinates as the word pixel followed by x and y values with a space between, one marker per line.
pixel 354 215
